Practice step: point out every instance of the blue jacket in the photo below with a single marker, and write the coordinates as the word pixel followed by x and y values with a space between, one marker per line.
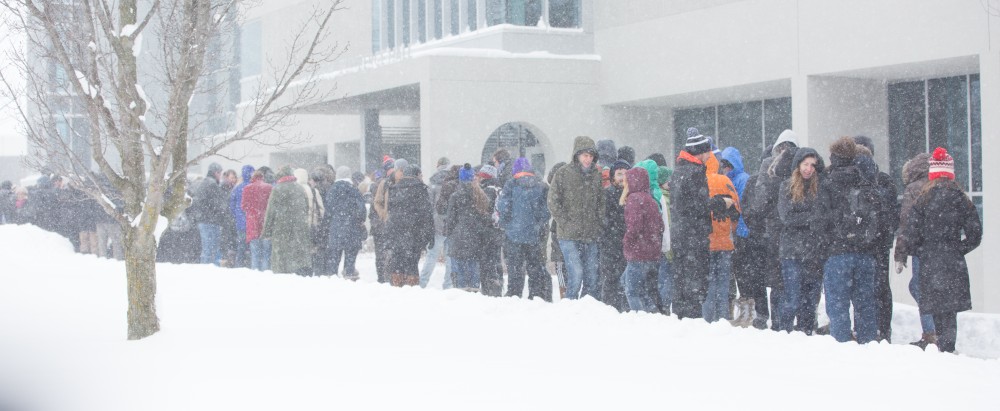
pixel 236 199
pixel 739 179
pixel 523 208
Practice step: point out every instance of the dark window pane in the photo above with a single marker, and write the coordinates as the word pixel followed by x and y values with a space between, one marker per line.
pixel 907 128
pixel 564 13
pixel 405 26
pixel 376 25
pixel 390 24
pixel 975 108
pixel 422 20
pixel 740 127
pixel 703 118
pixel 495 12
pixel 437 19
pixel 472 15
pixel 948 122
pixel 454 17
pixel 777 118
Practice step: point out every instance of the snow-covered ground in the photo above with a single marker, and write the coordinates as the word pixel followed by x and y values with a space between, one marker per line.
pixel 244 340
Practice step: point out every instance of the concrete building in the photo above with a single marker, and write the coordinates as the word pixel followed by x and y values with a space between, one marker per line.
pixel 429 78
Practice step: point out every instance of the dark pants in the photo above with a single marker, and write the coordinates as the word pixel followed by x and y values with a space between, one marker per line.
pixel 691 267
pixel 381 258
pixel 748 270
pixel 610 269
pixel 883 296
pixel 802 285
pixel 946 325
pixel 403 259
pixel 491 272
pixel 349 255
pixel 522 259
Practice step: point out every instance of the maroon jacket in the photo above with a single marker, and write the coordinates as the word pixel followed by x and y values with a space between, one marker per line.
pixel 254 205
pixel 643 223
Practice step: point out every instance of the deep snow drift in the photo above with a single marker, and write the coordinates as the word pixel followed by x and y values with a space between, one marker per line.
pixel 238 339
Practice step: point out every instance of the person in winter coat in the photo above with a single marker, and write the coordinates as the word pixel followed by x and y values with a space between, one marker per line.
pixel 254 205
pixel 691 211
pixel 21 206
pixel 665 274
pixel 504 165
pixel 322 179
pixel 577 204
pixel 378 213
pixel 802 211
pixel 468 220
pixel 716 305
pixel 208 209
pixel 524 214
pixel 86 212
pixel 490 264
pixel 941 228
pixel 652 170
pixel 774 169
pixel 627 154
pixel 286 224
pixel 555 253
pixel 888 219
pixel 642 240
pixel 409 226
pixel 607 155
pixel 345 211
pixel 445 173
pixel 612 256
pixel 314 218
pixel 6 202
pixel 849 271
pixel 915 173
pixel 240 218
pixel 731 163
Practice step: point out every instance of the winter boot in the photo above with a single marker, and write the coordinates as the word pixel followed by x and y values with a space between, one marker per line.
pixel 396 279
pixel 925 340
pixel 411 280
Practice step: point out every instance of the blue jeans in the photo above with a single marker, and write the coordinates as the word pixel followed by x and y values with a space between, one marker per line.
pixel 926 321
pixel 241 249
pixel 581 259
pixel 260 254
pixel 665 284
pixel 349 255
pixel 210 237
pixel 430 261
pixel 799 298
pixel 634 282
pixel 850 279
pixel 720 272
pixel 466 273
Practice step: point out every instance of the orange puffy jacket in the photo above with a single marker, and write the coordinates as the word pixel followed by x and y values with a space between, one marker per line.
pixel 721 238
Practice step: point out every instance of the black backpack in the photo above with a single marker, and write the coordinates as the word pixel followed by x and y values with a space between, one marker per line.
pixel 859 224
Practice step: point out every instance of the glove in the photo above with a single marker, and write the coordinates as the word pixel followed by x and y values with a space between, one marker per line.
pixel 900 265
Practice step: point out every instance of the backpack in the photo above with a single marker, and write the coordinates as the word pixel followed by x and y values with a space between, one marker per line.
pixel 859 224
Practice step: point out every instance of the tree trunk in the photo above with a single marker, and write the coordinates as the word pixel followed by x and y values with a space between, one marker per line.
pixel 140 269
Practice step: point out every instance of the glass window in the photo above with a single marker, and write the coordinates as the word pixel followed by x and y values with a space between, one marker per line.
pixel 948 121
pixel 471 15
pixel 390 24
pixel 405 26
pixel 455 17
pixel 422 21
pixel 976 125
pixel 907 128
pixel 438 31
pixel 564 13
pixel 740 126
pixel 777 118
pixel 376 26
pixel 250 49
pixel 496 12
pixel 703 118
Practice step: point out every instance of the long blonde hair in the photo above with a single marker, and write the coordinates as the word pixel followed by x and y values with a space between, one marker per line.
pixel 799 187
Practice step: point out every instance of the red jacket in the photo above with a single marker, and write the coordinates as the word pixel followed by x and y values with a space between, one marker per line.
pixel 643 222
pixel 254 205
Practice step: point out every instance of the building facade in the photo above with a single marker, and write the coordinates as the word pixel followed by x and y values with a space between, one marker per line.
pixel 458 78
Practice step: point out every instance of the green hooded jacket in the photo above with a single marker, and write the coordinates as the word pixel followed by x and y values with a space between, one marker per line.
pixel 576 198
pixel 654 189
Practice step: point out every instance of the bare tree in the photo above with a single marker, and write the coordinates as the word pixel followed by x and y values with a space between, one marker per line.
pixel 138 144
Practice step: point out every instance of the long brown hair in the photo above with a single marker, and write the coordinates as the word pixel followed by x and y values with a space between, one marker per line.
pixel 799 187
pixel 479 200
pixel 922 198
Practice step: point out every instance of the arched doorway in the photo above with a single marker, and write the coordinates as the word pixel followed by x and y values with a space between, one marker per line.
pixel 519 140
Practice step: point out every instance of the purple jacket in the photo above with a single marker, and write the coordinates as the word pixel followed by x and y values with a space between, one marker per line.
pixel 643 223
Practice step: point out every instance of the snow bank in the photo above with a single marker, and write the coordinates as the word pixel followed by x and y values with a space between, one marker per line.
pixel 238 339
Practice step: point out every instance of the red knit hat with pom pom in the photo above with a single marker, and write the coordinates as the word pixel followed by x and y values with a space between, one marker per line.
pixel 941 165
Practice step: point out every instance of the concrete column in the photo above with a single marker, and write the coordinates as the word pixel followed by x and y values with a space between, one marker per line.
pixel 545 12
pixel 445 18
pixel 463 16
pixel 480 14
pixel 383 25
pixel 800 112
pixel 414 18
pixel 985 282
pixel 429 21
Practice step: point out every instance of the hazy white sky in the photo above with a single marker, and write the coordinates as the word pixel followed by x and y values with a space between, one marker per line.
pixel 12 141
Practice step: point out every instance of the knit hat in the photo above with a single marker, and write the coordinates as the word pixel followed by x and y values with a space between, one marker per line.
pixel 343 172
pixel 627 154
pixel 663 175
pixel 698 144
pixel 466 174
pixel 400 164
pixel 693 131
pixel 487 171
pixel 521 165
pixel 387 163
pixel 606 153
pixel 618 165
pixel 941 165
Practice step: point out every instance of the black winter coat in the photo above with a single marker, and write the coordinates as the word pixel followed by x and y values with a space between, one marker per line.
pixel 210 204
pixel 467 229
pixel 345 212
pixel 612 254
pixel 410 224
pixel 837 183
pixel 690 206
pixel 939 220
pixel 803 225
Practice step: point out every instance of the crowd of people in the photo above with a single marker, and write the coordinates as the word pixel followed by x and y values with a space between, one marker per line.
pixel 696 239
